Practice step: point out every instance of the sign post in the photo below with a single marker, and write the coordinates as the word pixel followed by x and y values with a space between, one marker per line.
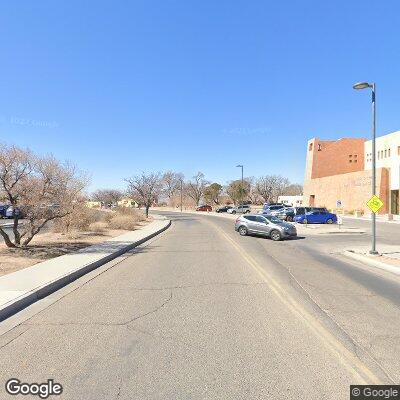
pixel 374 204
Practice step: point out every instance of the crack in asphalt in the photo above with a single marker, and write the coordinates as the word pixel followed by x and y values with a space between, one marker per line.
pixel 125 323
pixel 14 338
pixel 169 288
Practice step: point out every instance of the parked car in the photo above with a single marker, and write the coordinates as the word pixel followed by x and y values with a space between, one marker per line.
pixel 223 209
pixel 3 210
pixel 242 209
pixel 204 208
pixel 289 213
pixel 9 212
pixel 273 204
pixel 286 214
pixel 273 209
pixel 266 225
pixel 316 217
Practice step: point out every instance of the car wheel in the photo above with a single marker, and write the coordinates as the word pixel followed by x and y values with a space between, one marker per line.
pixel 275 235
pixel 242 231
pixel 233 212
pixel 305 221
pixel 329 221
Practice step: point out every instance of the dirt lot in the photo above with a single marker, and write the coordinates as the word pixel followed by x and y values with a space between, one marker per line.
pixel 49 245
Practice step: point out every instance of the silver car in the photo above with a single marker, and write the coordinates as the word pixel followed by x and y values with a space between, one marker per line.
pixel 242 209
pixel 266 225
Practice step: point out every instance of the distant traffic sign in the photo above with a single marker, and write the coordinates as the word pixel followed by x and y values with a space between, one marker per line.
pixel 374 203
pixel 338 203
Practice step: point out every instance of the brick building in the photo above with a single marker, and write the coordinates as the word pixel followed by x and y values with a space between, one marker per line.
pixel 340 170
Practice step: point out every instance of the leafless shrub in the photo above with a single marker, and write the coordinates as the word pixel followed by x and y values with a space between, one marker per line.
pixel 98 227
pixel 126 222
pixel 138 215
pixel 80 219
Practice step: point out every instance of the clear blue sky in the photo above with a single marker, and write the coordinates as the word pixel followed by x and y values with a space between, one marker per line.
pixel 123 86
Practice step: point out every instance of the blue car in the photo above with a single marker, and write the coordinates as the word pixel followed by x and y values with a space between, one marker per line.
pixel 316 217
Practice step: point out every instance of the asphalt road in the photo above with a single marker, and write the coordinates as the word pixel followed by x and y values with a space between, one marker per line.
pixel 203 313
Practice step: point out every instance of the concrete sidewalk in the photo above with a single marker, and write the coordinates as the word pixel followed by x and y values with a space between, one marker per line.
pixel 388 258
pixel 379 218
pixel 24 287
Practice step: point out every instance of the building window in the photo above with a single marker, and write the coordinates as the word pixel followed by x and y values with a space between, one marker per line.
pixel 388 152
pixel 319 147
pixel 398 150
pixel 355 160
pixel 310 147
pixel 385 153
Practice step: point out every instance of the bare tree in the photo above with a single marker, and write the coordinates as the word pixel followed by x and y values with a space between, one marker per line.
pixel 270 187
pixel 195 188
pixel 145 188
pixel 251 190
pixel 293 189
pixel 107 196
pixel 41 188
pixel 171 182
pixel 15 168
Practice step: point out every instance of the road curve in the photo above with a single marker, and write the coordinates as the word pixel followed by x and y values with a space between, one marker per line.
pixel 202 313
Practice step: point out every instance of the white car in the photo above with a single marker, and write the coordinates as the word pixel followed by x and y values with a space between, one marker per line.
pixel 242 209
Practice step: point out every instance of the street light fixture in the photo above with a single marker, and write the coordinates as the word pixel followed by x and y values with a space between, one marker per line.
pixel 241 187
pixel 372 86
pixel 361 85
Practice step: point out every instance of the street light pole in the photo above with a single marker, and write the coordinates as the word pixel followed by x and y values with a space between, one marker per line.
pixel 241 187
pixel 373 250
pixel 181 192
pixel 372 86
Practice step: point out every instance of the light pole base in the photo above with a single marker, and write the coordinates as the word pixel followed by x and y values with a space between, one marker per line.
pixel 374 252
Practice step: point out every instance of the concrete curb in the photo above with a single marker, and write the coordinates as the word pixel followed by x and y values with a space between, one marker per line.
pixel 22 301
pixel 10 225
pixel 372 263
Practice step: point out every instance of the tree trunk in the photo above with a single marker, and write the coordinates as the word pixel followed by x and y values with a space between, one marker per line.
pixel 147 211
pixel 6 238
pixel 17 237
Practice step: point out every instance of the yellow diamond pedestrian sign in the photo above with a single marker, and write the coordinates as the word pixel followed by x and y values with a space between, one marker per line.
pixel 374 203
